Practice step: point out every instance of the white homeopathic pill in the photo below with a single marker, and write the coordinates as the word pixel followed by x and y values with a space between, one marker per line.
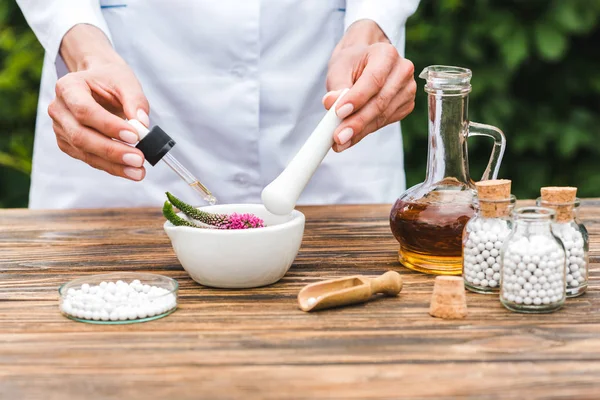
pixel 117 301
pixel 572 239
pixel 483 243
pixel 540 273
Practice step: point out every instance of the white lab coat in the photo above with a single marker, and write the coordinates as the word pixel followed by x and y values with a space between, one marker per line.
pixel 237 83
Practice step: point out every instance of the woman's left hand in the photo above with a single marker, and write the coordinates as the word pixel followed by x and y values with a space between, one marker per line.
pixel 382 85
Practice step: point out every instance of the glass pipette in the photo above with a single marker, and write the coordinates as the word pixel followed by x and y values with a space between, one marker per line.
pixel 156 144
pixel 189 178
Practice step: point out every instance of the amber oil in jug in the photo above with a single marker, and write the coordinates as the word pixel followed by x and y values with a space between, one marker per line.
pixel 429 218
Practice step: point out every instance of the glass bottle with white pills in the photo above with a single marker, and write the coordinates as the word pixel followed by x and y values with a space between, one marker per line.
pixel 533 274
pixel 484 235
pixel 572 233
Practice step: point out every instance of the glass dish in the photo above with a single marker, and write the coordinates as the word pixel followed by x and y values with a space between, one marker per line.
pixel 156 305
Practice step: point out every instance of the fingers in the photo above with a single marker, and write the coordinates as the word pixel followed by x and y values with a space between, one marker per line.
pixel 135 174
pixel 400 113
pixel 380 60
pixel 400 88
pixel 133 99
pixel 398 92
pixel 383 88
pixel 340 71
pixel 94 148
pixel 330 98
pixel 86 118
pixel 76 95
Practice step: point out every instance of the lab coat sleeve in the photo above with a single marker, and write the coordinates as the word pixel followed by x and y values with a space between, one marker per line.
pixel 390 15
pixel 50 20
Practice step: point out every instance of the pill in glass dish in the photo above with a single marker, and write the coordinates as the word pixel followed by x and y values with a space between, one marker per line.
pixel 117 301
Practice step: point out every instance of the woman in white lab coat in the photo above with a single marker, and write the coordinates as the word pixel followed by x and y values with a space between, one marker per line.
pixel 239 86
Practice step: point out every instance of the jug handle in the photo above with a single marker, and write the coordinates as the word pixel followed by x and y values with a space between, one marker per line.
pixel 493 167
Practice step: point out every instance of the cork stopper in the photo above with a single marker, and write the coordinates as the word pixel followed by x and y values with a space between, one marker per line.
pixel 561 199
pixel 448 300
pixel 494 197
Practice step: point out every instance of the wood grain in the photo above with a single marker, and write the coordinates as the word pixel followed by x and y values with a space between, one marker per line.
pixel 256 344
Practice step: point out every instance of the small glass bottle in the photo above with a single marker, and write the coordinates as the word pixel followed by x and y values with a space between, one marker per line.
pixel 533 273
pixel 572 233
pixel 484 235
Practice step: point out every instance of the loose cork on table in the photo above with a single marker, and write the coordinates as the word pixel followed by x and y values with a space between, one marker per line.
pixel 448 300
pixel 257 344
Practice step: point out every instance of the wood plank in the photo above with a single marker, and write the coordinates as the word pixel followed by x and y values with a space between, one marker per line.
pixel 257 343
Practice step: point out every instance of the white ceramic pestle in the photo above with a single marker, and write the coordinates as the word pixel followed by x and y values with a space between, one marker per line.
pixel 280 196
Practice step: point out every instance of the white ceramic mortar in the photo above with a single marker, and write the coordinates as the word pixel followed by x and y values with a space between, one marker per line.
pixel 243 258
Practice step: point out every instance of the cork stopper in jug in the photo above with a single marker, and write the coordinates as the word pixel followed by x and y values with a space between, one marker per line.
pixel 494 197
pixel 561 199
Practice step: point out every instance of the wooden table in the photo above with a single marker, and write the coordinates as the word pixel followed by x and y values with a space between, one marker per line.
pixel 256 343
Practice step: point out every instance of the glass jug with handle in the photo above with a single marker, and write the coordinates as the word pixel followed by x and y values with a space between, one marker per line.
pixel 428 219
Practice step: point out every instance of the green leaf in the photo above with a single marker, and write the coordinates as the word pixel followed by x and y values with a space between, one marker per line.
pixel 575 16
pixel 514 48
pixel 19 164
pixel 450 5
pixel 568 142
pixel 565 14
pixel 173 218
pixel 472 49
pixel 551 43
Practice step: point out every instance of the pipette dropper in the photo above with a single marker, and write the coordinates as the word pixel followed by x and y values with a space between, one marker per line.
pixel 156 144
pixel 189 178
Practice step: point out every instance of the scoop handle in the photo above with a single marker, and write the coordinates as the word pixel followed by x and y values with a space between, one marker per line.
pixel 281 195
pixel 389 284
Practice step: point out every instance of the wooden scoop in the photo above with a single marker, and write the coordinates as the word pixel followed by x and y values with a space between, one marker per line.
pixel 349 290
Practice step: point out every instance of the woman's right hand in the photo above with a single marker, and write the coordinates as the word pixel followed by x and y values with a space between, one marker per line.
pixel 93 100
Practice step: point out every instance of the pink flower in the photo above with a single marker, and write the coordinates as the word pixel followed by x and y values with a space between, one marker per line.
pixel 243 221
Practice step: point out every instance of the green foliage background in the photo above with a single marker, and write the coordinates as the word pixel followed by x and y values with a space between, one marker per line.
pixel 20 70
pixel 536 75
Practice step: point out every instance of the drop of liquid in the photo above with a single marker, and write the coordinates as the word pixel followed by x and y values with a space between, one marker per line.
pixel 206 195
pixel 212 200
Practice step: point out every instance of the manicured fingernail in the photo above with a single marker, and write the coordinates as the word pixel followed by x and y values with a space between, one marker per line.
pixel 143 117
pixel 128 137
pixel 133 159
pixel 133 173
pixel 345 135
pixel 330 93
pixel 345 110
pixel 344 146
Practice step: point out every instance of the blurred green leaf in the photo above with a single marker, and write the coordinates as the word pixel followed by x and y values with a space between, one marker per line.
pixel 18 163
pixel 551 43
pixel 471 49
pixel 566 15
pixel 450 5
pixel 575 16
pixel 514 48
